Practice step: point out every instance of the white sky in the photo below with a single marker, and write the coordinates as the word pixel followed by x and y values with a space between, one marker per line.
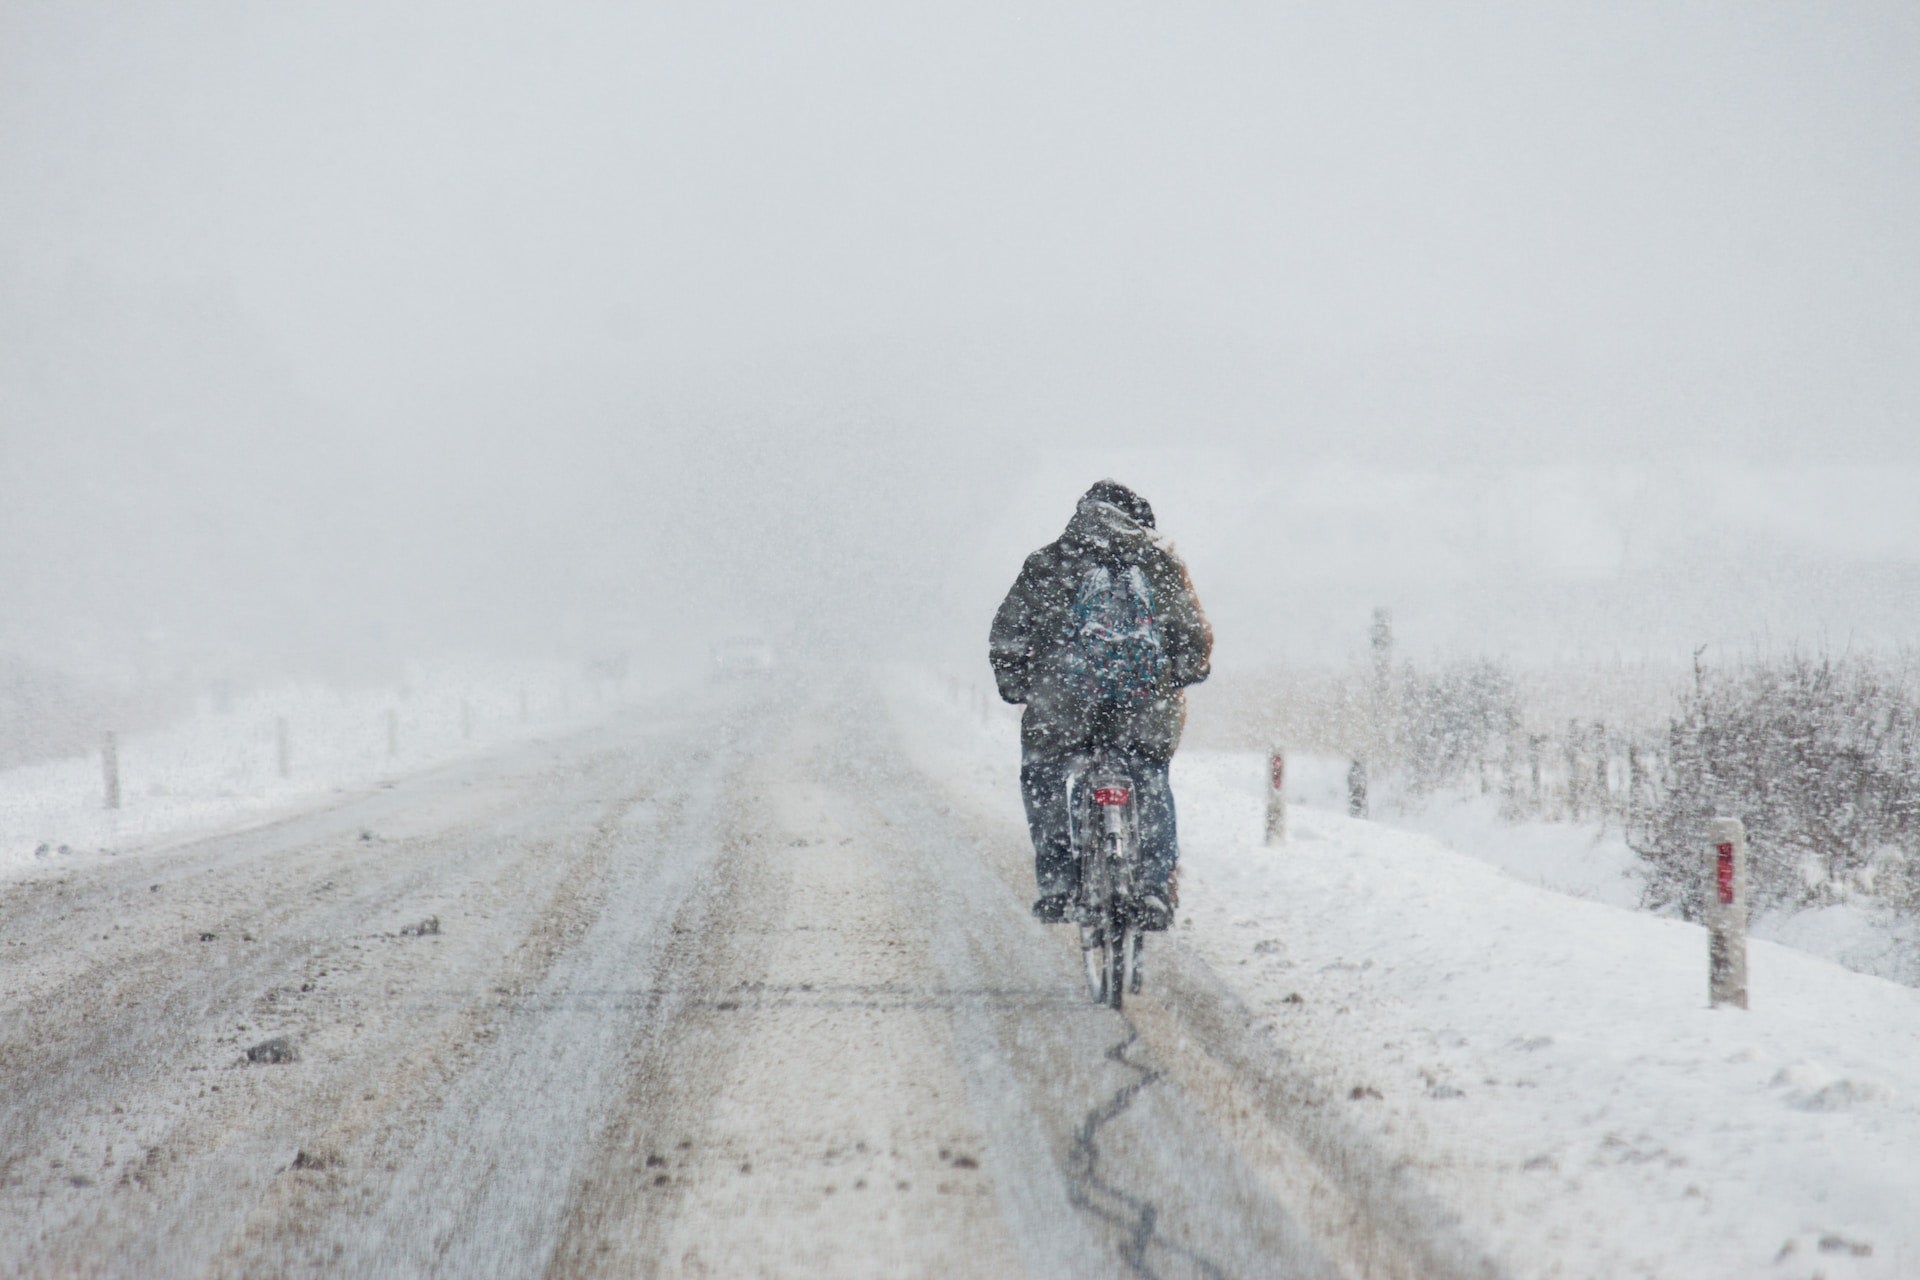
pixel 329 327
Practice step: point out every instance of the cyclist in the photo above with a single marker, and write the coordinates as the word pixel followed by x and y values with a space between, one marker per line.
pixel 1098 637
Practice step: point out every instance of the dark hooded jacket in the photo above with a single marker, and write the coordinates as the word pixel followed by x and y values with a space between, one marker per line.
pixel 1030 633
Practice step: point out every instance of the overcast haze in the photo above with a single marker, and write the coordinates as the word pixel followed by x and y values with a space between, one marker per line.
pixel 330 336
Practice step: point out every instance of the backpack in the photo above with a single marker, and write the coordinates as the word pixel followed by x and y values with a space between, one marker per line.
pixel 1113 652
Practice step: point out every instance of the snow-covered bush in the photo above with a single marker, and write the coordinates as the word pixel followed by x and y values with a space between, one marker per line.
pixel 1819 757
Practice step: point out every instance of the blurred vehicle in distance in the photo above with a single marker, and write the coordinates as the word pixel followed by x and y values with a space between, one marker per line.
pixel 742 656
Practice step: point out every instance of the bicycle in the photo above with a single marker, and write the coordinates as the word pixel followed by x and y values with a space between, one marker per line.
pixel 1104 832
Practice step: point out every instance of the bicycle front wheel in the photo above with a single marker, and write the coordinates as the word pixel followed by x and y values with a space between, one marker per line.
pixel 1114 958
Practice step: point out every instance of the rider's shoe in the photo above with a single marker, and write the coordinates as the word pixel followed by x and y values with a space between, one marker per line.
pixel 1151 912
pixel 1051 908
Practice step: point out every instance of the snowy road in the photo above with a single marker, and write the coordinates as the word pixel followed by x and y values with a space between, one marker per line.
pixel 726 989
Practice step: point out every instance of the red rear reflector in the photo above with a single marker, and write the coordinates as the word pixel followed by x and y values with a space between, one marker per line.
pixel 1724 871
pixel 1111 795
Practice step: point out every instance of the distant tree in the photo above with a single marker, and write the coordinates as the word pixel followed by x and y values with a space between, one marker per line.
pixel 1456 717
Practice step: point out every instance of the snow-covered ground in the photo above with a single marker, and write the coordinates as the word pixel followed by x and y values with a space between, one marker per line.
pixel 1546 1060
pixel 1591 860
pixel 1541 1066
pixel 1867 937
pixel 218 769
pixel 1583 860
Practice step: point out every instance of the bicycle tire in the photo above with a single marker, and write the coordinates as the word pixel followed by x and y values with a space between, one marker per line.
pixel 1114 949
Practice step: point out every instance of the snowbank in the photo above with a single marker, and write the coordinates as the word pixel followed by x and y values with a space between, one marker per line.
pixel 1552 1062
pixel 1583 860
pixel 1549 1062
pixel 218 769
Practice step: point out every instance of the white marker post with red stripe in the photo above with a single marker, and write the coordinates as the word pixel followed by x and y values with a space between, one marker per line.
pixel 1276 796
pixel 1727 913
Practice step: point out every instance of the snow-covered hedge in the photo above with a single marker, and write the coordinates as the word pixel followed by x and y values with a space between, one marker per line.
pixel 1821 759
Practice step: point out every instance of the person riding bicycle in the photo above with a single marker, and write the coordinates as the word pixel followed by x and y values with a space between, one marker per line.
pixel 1098 637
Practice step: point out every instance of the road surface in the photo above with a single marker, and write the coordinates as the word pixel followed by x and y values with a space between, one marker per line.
pixel 726 988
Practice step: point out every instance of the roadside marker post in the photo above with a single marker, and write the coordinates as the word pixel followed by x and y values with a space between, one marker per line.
pixel 1276 796
pixel 110 769
pixel 1727 913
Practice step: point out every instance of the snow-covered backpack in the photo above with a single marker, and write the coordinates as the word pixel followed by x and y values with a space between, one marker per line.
pixel 1113 651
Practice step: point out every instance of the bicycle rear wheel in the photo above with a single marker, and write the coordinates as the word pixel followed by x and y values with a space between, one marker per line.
pixel 1114 957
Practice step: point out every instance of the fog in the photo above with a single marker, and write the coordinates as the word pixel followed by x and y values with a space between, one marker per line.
pixel 332 337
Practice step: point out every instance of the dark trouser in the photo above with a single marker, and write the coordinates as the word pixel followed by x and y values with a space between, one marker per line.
pixel 1043 784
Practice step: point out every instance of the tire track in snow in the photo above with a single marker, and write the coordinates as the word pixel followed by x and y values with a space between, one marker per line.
pixel 486 1188
pixel 802 1113
pixel 1137 1215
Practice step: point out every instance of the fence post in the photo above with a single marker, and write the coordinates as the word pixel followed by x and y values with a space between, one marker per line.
pixel 1276 796
pixel 1628 809
pixel 110 769
pixel 1573 770
pixel 1386 724
pixel 280 752
pixel 1535 741
pixel 1727 913
pixel 1602 771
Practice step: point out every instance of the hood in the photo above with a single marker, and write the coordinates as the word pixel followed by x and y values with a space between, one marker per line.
pixel 1102 526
